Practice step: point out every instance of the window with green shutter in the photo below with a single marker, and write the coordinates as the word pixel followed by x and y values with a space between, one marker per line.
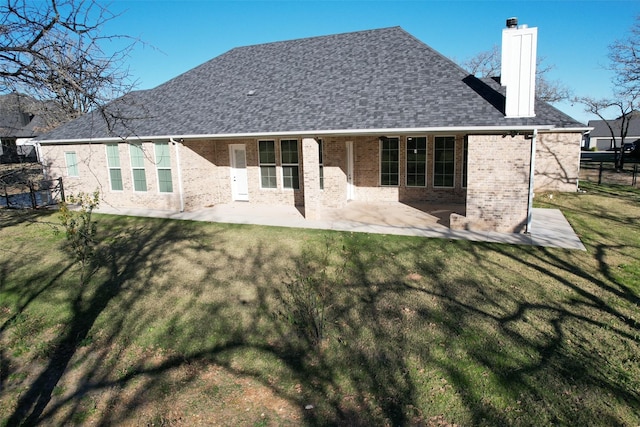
pixel 163 166
pixel 137 167
pixel 113 162
pixel 72 163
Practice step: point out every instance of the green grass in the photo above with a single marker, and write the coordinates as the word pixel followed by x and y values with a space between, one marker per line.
pixel 182 324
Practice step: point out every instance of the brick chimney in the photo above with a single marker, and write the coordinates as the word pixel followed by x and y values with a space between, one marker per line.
pixel 518 73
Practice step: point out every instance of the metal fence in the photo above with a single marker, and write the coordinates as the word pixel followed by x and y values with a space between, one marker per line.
pixel 606 173
pixel 20 195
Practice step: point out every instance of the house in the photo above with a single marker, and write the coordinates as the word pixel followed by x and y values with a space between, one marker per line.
pixel 600 137
pixel 18 125
pixel 370 116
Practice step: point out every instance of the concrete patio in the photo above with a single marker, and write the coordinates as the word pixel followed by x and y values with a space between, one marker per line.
pixel 549 227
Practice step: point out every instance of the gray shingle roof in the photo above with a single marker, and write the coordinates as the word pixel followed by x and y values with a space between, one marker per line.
pixel 376 79
pixel 600 128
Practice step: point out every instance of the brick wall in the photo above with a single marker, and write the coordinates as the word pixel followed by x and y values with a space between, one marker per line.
pixel 557 161
pixel 498 184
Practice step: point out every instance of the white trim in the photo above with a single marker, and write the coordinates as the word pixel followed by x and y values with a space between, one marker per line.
pixel 433 176
pixel 283 164
pixel 332 132
pixel 134 168
pixel 75 155
pixel 532 173
pixel 406 161
pixel 235 194
pixel 351 189
pixel 380 142
pixel 274 164
pixel 109 167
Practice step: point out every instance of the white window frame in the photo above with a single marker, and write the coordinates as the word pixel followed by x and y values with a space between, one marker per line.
pixel 137 168
pixel 111 167
pixel 284 165
pixel 163 168
pixel 435 158
pixel 406 161
pixel 274 164
pixel 380 148
pixel 75 165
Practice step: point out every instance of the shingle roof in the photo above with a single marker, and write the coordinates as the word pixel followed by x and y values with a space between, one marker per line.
pixel 600 128
pixel 376 79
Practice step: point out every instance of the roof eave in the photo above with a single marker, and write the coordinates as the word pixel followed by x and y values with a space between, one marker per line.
pixel 319 133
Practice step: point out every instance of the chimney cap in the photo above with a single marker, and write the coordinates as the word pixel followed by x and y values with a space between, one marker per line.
pixel 512 22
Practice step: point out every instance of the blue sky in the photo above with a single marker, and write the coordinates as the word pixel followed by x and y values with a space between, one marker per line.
pixel 573 36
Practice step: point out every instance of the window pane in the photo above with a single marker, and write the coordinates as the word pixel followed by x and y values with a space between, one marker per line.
pixel 268 176
pixel 163 158
pixel 444 162
pixel 290 177
pixel 72 164
pixel 389 158
pixel 137 155
pixel 116 179
pixel 289 150
pixel 416 161
pixel 165 185
pixel 113 156
pixel 267 151
pixel 139 180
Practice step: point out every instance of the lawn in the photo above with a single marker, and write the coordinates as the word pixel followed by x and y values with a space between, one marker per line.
pixel 187 323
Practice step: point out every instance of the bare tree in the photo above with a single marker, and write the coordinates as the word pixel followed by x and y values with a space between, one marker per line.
pixel 53 50
pixel 487 64
pixel 624 61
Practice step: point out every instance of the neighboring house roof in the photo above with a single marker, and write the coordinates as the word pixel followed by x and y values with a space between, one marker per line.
pixel 368 80
pixel 16 116
pixel 601 130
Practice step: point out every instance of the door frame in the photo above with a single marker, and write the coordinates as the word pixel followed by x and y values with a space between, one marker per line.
pixel 351 194
pixel 235 194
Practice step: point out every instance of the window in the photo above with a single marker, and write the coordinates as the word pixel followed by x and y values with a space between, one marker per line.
pixel 163 166
pixel 321 164
pixel 444 161
pixel 72 163
pixel 416 162
pixel 290 169
pixel 465 162
pixel 137 167
pixel 267 159
pixel 389 161
pixel 113 162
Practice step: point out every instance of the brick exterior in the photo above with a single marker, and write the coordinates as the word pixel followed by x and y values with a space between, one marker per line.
pixel 496 197
pixel 498 184
pixel 557 161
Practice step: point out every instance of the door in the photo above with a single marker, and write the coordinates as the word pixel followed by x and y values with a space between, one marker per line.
pixel 350 187
pixel 239 182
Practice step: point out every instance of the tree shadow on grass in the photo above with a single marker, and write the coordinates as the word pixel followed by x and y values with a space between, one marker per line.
pixel 120 259
pixel 409 336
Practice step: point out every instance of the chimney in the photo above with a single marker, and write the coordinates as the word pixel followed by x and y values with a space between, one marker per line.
pixel 518 70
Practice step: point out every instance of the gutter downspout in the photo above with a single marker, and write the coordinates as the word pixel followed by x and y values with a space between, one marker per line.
pixel 176 144
pixel 532 171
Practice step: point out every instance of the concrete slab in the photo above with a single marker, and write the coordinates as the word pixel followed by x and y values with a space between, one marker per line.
pixel 549 227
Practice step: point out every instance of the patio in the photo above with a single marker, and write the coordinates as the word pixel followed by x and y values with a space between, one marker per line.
pixel 549 226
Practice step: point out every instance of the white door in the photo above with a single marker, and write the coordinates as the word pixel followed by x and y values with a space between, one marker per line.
pixel 350 188
pixel 239 182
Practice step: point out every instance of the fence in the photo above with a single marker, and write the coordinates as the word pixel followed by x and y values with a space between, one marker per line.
pixel 606 173
pixel 24 193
